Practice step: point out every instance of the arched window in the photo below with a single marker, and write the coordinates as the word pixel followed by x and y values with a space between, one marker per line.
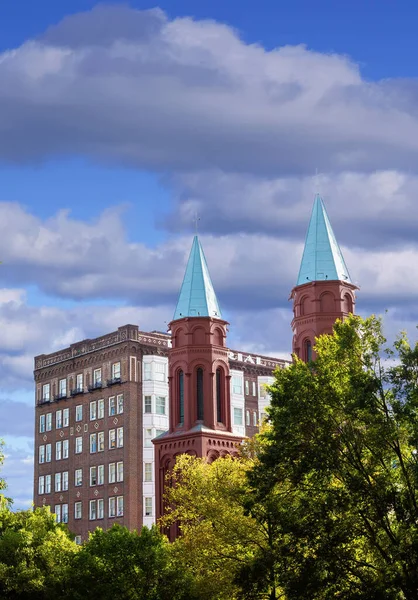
pixel 181 396
pixel 219 395
pixel 199 393
pixel 308 350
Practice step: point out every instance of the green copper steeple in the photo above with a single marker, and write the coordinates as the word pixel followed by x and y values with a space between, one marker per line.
pixel 197 297
pixel 322 258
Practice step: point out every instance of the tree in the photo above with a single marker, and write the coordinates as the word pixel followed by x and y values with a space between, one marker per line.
pixel 4 501
pixel 338 468
pixel 119 563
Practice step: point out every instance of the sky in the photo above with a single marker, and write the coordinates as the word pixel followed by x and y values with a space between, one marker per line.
pixel 118 122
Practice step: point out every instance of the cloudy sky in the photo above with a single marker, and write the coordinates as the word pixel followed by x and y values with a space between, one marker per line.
pixel 118 122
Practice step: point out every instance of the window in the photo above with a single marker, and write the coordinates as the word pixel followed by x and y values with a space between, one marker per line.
pixel 46 392
pixel 48 482
pixel 181 397
pixel 100 409
pixel 147 471
pixel 49 421
pixel 120 437
pixel 42 424
pixel 78 477
pixel 66 417
pixel 120 403
pixel 93 410
pixel 92 510
pixel 58 450
pixel 65 481
pixel 77 511
pixel 112 439
pixel 148 507
pixel 147 404
pixel 247 387
pixel 41 485
pixel 79 412
pixel 119 506
pixel 57 482
pixel 116 370
pixel 57 512
pixel 237 416
pixel 41 454
pixel 100 441
pixel 147 371
pixel 120 471
pixel 112 472
pixel 247 417
pixel 58 419
pixel 65 448
pixel 199 393
pixel 159 371
pixel 93 476
pixel 97 377
pixel 219 395
pixel 62 388
pixel 148 438
pixel 255 422
pixel 100 508
pixel 78 445
pixel 93 443
pixel 79 382
pixel 48 449
pixel 112 406
pixel 100 475
pixel 77 540
pixel 254 388
pixel 112 507
pixel 308 350
pixel 237 384
pixel 160 405
pixel 64 515
pixel 159 432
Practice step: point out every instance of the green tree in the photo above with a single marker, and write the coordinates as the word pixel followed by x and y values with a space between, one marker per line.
pixel 338 469
pixel 124 564
pixel 4 501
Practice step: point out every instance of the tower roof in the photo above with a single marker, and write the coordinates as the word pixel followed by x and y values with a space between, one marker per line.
pixel 197 297
pixel 322 258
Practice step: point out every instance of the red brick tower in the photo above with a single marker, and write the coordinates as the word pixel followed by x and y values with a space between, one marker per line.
pixel 199 378
pixel 324 291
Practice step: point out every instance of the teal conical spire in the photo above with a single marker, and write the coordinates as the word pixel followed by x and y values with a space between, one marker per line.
pixel 197 297
pixel 322 258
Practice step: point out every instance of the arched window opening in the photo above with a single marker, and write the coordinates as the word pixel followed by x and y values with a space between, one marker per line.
pixel 219 395
pixel 199 393
pixel 308 350
pixel 181 396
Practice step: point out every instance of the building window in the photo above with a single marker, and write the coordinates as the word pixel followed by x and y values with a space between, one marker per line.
pixel 58 419
pixel 77 539
pixel 112 472
pixel 49 421
pixel 57 512
pixel 48 449
pixel 148 507
pixel 119 506
pixel 58 450
pixel 92 510
pixel 100 441
pixel 41 454
pixel 100 508
pixel 93 410
pixel 100 409
pixel 79 412
pixel 79 382
pixel 159 432
pixel 93 443
pixel 308 350
pixel 199 393
pixel 219 395
pixel 147 404
pixel 147 371
pixel 93 476
pixel 254 388
pixel 147 471
pixel 62 388
pixel 120 404
pixel 64 515
pixel 181 397
pixel 97 377
pixel 159 371
pixel 255 420
pixel 120 437
pixel 120 471
pixel 48 484
pixel 112 507
pixel 148 438
pixel 41 485
pixel 100 475
pixel 237 384
pixel 112 439
pixel 247 417
pixel 57 482
pixel 116 370
pixel 112 406
pixel 65 481
pixel 46 392
pixel 65 448
pixel 78 512
pixel 42 422
pixel 78 445
pixel 237 416
pixel 247 387
pixel 78 477
pixel 66 417
pixel 160 405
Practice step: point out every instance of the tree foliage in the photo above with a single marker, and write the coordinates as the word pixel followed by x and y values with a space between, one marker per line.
pixel 4 501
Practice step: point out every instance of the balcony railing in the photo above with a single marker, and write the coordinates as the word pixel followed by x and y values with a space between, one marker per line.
pixel 44 400
pixel 114 381
pixel 77 391
pixel 97 385
pixel 60 396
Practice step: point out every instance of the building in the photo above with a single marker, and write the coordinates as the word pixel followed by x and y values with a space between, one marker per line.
pixel 100 403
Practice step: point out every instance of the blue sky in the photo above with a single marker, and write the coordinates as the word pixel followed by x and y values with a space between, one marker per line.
pixel 119 121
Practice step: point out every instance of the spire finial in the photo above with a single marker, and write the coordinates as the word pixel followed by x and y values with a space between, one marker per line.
pixel 316 181
pixel 196 221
